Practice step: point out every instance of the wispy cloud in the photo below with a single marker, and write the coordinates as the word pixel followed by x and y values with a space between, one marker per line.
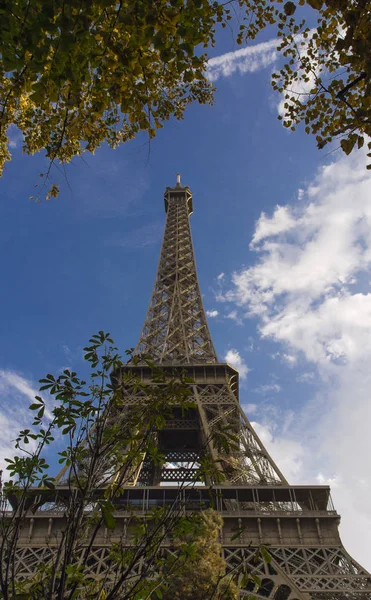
pixel 16 394
pixel 289 359
pixel 233 316
pixel 234 358
pixel 244 60
pixel 260 56
pixel 306 377
pixel 10 380
pixel 287 452
pixel 250 408
pixel 272 388
pixel 15 136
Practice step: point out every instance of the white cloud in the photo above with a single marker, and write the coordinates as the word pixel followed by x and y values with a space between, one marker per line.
pixel 338 329
pixel 268 388
pixel 212 313
pixel 310 290
pixel 15 136
pixel 234 358
pixel 351 498
pixel 10 379
pixel 303 284
pixel 260 56
pixel 233 315
pixel 16 394
pixel 250 408
pixel 219 297
pixel 245 60
pixel 290 359
pixel 67 351
pixel 251 345
pixel 306 377
pixel 280 222
pixel 286 453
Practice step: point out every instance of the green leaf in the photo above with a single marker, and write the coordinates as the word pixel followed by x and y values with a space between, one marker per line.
pixel 49 484
pixel 245 580
pixel 107 514
pixel 256 579
pixel 265 555
pixel 238 533
pixel 289 8
pixel 67 429
pixel 348 144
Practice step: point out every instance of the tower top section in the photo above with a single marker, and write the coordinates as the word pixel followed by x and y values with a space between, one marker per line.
pixel 175 330
pixel 179 194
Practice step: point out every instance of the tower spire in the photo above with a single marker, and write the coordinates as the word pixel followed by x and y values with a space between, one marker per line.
pixel 175 329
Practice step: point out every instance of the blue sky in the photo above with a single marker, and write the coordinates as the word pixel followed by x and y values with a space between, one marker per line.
pixel 282 236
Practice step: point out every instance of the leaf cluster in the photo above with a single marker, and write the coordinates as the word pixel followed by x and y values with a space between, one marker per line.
pixel 74 75
pixel 326 78
pixel 106 437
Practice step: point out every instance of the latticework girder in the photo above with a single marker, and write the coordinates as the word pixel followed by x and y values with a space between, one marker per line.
pixel 298 524
pixel 175 328
pixel 192 435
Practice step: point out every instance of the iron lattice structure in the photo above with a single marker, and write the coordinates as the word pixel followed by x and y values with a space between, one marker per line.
pixel 299 523
pixel 175 329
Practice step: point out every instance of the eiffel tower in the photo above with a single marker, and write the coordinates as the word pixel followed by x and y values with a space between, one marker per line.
pixel 299 524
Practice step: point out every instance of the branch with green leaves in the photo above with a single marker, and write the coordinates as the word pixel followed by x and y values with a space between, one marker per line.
pixel 105 437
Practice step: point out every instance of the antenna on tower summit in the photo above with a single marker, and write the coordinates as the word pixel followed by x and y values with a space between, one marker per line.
pixel 178 179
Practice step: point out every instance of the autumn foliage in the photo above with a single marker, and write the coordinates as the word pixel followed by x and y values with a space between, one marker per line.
pixel 76 74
